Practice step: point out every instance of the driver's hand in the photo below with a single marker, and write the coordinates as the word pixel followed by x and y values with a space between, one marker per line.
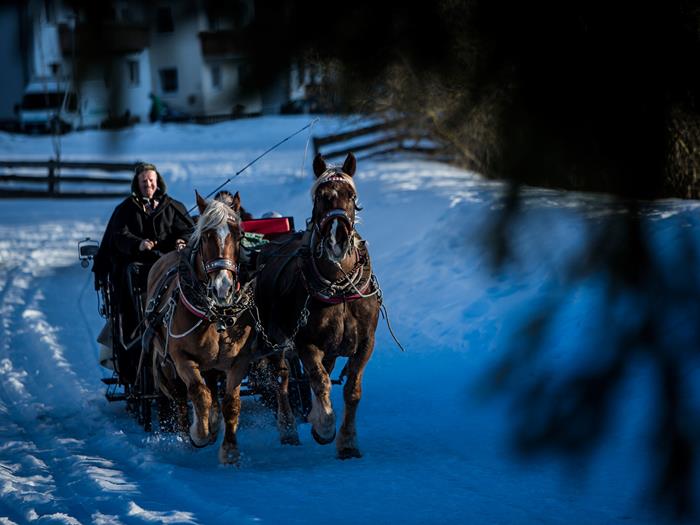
pixel 180 244
pixel 146 244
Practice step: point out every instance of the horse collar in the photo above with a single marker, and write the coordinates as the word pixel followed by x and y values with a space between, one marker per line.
pixel 359 279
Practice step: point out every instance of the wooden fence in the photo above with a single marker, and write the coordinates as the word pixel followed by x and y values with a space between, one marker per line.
pixel 374 140
pixel 64 179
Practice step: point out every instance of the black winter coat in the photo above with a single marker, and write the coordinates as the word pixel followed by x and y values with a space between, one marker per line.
pixel 129 225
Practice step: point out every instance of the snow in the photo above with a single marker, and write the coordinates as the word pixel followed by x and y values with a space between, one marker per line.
pixel 434 449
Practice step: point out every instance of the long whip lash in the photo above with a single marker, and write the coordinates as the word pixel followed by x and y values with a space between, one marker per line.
pixel 309 125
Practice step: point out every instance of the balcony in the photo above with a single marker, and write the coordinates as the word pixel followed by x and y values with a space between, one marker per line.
pixel 220 44
pixel 108 37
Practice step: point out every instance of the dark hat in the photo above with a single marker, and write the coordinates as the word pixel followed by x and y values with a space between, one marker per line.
pixel 140 168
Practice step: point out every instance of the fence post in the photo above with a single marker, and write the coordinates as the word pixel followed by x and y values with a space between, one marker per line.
pixel 52 177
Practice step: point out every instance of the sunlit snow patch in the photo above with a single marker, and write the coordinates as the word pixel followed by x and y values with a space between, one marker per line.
pixel 14 379
pixel 47 335
pixel 56 517
pixel 105 519
pixel 174 516
pixel 101 471
pixel 29 487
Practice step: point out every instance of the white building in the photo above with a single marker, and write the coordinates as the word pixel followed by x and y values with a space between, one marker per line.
pixel 184 52
pixel 195 65
pixel 13 68
pixel 59 42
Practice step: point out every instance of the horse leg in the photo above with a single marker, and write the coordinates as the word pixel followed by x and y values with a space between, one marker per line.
pixel 328 362
pixel 199 394
pixel 231 410
pixel 322 417
pixel 212 381
pixel 346 444
pixel 182 415
pixel 286 422
pixel 172 404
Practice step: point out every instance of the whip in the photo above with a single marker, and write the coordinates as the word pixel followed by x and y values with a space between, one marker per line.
pixel 308 126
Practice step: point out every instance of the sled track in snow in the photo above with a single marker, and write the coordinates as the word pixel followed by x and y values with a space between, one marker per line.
pixel 51 404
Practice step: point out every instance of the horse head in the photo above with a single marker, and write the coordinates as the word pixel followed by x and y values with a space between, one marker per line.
pixel 335 205
pixel 216 240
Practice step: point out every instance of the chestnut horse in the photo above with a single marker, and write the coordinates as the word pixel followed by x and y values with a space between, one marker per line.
pixel 202 324
pixel 316 293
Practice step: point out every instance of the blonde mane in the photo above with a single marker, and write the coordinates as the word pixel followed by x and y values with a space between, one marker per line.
pixel 216 214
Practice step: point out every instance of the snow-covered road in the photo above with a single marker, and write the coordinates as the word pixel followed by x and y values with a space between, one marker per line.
pixel 434 452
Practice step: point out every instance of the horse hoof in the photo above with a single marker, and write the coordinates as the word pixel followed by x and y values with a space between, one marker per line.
pixel 229 457
pixel 320 440
pixel 195 445
pixel 349 453
pixel 290 440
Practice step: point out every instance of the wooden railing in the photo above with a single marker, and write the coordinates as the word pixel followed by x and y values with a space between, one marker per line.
pixel 377 139
pixel 38 178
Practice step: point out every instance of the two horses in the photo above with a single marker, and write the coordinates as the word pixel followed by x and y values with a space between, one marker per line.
pixel 313 293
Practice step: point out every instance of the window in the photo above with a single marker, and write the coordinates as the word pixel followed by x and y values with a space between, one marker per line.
pixel 213 21
pixel 216 77
pixel 134 73
pixel 164 20
pixel 241 14
pixel 245 74
pixel 168 80
pixel 49 11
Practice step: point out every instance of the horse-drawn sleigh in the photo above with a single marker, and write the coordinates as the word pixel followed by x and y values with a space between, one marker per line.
pixel 224 318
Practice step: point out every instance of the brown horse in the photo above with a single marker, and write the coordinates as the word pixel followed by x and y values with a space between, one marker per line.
pixel 202 325
pixel 316 294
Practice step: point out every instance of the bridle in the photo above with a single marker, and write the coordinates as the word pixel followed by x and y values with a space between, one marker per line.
pixel 198 297
pixel 339 214
pixel 209 266
pixel 351 284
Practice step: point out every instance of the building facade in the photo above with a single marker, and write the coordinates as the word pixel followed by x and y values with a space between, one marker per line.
pixel 122 53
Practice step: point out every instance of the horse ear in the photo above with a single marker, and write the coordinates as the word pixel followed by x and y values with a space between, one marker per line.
pixel 319 165
pixel 201 203
pixel 236 203
pixel 350 164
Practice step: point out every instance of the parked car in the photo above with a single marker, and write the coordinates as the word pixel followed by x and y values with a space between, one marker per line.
pixel 49 105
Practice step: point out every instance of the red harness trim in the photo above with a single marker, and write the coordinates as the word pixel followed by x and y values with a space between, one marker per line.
pixel 337 300
pixel 193 310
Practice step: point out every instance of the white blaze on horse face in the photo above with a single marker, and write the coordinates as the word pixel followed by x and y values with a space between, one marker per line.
pixel 336 250
pixel 338 241
pixel 222 284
